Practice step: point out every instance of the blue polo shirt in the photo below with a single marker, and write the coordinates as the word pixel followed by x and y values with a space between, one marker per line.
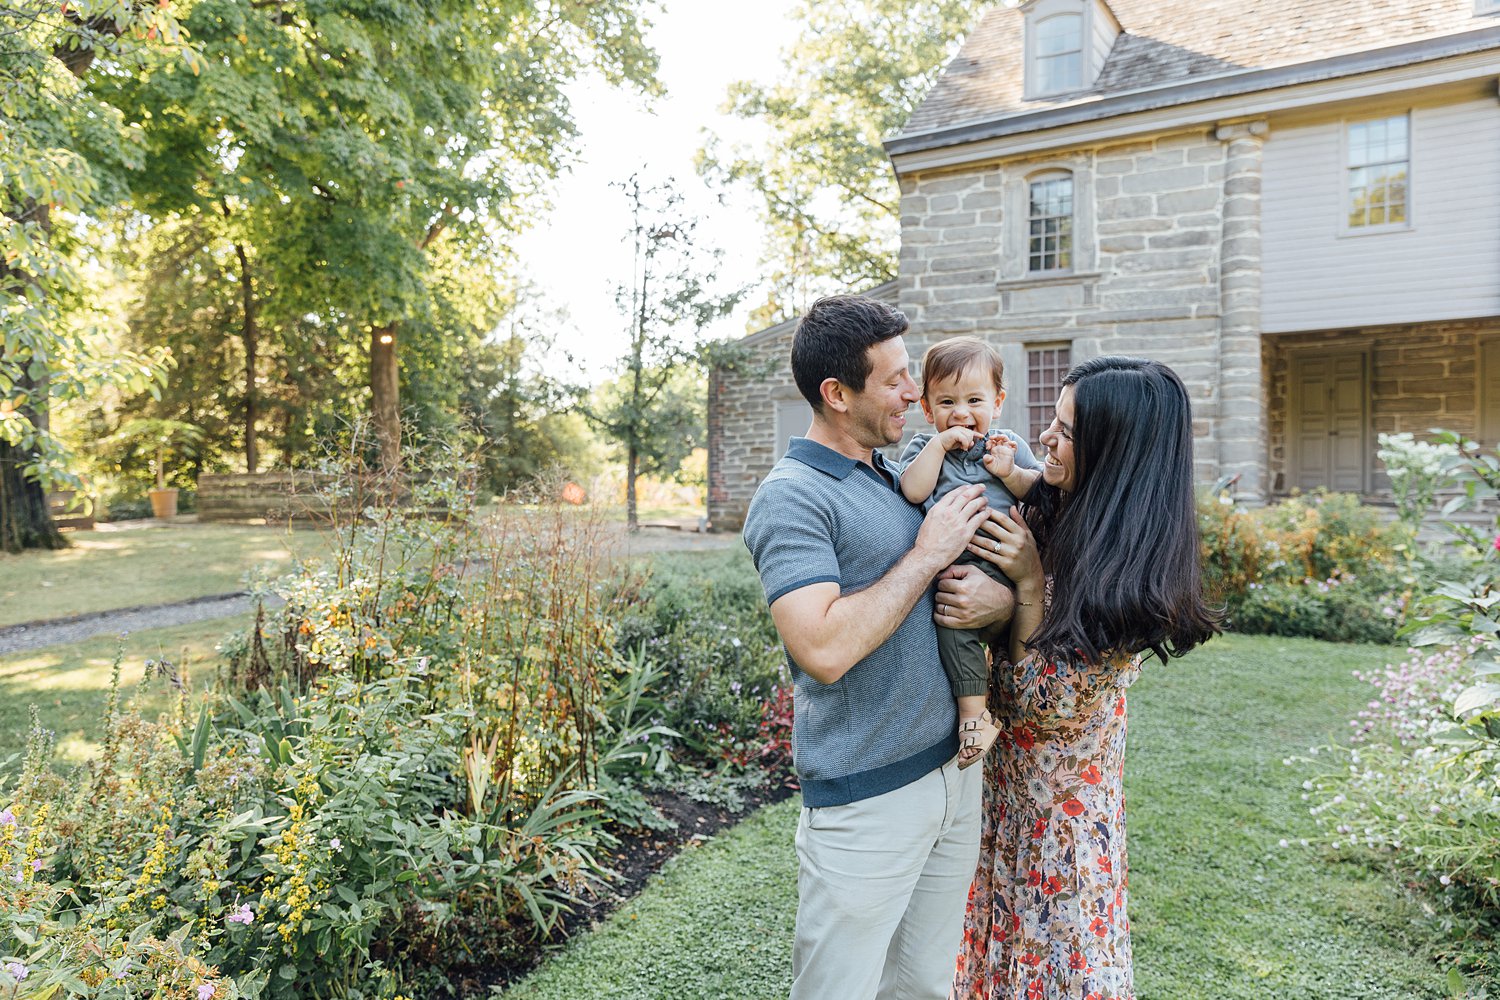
pixel 823 517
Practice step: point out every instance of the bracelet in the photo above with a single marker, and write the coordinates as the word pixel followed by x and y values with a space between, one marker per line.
pixel 1025 604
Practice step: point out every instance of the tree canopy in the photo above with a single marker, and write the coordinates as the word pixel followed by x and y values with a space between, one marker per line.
pixel 828 196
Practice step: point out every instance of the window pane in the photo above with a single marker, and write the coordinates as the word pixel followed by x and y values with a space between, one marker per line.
pixel 1379 155
pixel 1051 224
pixel 1059 34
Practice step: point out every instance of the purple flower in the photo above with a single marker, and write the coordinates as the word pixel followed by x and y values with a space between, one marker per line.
pixel 7 818
pixel 242 914
pixel 206 992
pixel 335 844
pixel 17 970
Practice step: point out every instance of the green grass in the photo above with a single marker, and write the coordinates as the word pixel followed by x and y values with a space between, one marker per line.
pixel 105 570
pixel 1217 908
pixel 69 684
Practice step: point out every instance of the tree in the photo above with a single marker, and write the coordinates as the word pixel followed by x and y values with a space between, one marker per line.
pixel 830 203
pixel 519 411
pixel 668 296
pixel 61 154
pixel 354 139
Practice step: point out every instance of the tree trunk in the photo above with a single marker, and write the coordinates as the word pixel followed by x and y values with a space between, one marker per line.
pixel 385 393
pixel 632 519
pixel 250 337
pixel 25 521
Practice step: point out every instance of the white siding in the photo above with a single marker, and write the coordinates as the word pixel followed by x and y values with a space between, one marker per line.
pixel 1446 266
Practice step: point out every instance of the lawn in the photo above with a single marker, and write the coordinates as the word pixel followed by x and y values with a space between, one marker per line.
pixel 69 684
pixel 104 570
pixel 1218 909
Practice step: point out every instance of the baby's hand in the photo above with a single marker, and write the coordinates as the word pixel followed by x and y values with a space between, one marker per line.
pixel 1000 459
pixel 959 438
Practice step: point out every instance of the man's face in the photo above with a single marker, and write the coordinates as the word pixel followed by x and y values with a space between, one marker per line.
pixel 877 414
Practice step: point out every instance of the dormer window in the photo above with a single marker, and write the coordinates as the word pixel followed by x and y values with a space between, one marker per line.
pixel 1067 43
pixel 1058 59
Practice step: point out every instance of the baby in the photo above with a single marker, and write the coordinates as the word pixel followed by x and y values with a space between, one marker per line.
pixel 961 393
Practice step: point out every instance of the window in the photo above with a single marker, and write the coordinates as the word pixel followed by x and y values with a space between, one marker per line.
pixel 1379 158
pixel 1486 7
pixel 1050 216
pixel 1045 368
pixel 1057 54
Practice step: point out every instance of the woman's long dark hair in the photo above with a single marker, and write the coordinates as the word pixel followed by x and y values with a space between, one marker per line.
pixel 1122 548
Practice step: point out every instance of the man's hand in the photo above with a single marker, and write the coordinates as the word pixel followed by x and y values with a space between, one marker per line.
pixel 1000 456
pixel 950 525
pixel 957 438
pixel 968 598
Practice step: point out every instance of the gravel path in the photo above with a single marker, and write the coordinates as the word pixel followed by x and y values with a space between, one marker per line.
pixel 53 632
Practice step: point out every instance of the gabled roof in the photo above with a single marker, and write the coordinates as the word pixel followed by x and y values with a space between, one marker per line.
pixel 1167 42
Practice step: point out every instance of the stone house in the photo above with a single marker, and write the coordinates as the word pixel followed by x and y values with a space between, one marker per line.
pixel 1294 204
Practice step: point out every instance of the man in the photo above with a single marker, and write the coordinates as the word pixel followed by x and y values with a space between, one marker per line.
pixel 889 833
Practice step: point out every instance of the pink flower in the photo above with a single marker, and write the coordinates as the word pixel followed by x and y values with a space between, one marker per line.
pixel 17 970
pixel 206 992
pixel 242 914
pixel 8 818
pixel 1497 543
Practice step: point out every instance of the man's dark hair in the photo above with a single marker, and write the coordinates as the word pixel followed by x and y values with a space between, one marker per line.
pixel 1122 549
pixel 834 339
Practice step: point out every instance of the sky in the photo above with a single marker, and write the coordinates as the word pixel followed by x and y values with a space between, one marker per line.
pixel 578 253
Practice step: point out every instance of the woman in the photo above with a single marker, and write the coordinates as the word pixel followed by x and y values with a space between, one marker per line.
pixel 1104 555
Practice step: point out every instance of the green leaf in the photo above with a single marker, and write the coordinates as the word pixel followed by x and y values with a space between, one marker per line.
pixel 1477 697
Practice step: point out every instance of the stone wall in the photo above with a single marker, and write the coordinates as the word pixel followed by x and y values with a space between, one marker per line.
pixel 1166 260
pixel 1421 376
pixel 742 425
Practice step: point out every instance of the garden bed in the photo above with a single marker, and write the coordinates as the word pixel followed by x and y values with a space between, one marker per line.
pixel 639 855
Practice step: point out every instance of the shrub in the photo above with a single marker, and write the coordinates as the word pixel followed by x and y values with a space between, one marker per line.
pixel 1321 565
pixel 1420 786
pixel 703 617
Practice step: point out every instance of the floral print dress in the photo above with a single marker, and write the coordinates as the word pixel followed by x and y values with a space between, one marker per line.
pixel 1046 917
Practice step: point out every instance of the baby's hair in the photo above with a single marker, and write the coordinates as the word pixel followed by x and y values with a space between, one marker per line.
pixel 957 355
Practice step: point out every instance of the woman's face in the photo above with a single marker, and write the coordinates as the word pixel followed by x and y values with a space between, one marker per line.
pixel 1061 467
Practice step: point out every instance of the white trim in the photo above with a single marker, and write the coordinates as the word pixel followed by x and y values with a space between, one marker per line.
pixel 1483 7
pixel 1454 69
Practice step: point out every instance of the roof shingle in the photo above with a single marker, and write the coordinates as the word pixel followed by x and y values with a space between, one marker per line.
pixel 1167 41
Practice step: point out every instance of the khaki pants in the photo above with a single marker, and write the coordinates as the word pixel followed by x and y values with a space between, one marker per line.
pixel 882 884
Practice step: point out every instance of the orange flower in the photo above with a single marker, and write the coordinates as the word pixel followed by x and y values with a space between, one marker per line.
pixel 1052 886
pixel 1099 927
pixel 1077 961
pixel 1073 807
pixel 1092 775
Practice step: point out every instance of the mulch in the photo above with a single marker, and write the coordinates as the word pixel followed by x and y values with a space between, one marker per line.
pixel 639 855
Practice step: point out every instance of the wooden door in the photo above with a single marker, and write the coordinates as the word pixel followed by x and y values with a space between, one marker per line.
pixel 1329 426
pixel 1489 393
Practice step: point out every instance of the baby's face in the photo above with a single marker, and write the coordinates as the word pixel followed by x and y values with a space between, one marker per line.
pixel 967 400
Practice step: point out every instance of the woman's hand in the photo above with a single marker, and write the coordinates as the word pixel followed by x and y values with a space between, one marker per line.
pixel 1006 541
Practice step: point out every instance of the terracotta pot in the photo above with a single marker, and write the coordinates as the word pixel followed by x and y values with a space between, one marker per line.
pixel 163 503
